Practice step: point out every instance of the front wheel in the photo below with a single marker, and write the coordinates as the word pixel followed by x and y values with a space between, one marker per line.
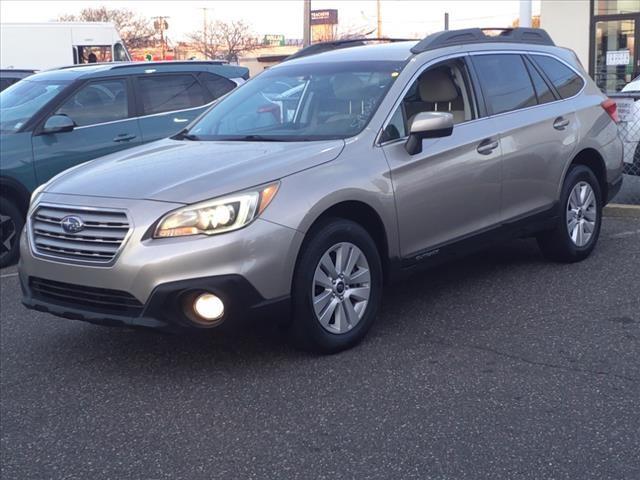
pixel 337 287
pixel 580 214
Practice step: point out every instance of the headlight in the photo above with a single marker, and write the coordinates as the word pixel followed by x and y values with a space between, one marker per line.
pixel 216 216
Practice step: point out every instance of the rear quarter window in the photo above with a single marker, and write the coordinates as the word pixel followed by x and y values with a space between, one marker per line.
pixel 567 82
pixel 216 85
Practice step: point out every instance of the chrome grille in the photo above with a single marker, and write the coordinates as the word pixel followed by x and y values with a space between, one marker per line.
pixel 98 241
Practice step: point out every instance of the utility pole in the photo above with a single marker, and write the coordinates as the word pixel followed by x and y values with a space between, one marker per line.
pixel 525 13
pixel 306 29
pixel 160 23
pixel 204 32
pixel 379 18
pixel 446 20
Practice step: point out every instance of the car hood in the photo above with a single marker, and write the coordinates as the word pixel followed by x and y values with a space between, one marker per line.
pixel 190 171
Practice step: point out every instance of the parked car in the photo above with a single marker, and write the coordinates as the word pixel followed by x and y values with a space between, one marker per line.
pixel 10 76
pixel 60 118
pixel 397 156
pixel 630 125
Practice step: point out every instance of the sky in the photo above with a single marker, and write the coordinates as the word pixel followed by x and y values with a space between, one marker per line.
pixel 400 18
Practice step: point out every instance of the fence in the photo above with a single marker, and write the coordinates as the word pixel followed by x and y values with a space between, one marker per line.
pixel 629 113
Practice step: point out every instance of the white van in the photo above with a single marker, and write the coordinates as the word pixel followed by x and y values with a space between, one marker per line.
pixel 40 46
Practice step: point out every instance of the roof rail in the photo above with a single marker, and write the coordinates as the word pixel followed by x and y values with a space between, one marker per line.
pixel 143 64
pixel 338 44
pixel 467 36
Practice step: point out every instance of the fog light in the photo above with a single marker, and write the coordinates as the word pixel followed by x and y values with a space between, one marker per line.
pixel 208 306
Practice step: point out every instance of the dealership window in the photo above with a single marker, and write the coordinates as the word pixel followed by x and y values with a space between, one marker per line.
pixel 615 7
pixel 615 34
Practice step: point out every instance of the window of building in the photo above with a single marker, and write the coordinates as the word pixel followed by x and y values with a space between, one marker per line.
pixel 505 82
pixel 165 93
pixel 97 102
pixel 566 81
pixel 615 7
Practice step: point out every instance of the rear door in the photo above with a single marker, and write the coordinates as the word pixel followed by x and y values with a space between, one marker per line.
pixel 168 102
pixel 102 111
pixel 538 132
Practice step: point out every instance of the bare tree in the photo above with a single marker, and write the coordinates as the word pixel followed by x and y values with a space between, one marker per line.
pixel 224 39
pixel 135 30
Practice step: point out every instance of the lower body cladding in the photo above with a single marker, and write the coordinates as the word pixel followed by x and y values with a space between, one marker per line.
pixel 170 284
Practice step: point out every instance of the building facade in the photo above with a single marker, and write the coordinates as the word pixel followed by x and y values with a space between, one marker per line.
pixel 605 34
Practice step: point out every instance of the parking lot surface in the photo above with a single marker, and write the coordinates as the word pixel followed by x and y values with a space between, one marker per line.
pixel 501 365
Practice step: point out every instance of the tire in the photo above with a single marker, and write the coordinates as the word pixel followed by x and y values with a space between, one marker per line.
pixel 11 223
pixel 321 328
pixel 559 244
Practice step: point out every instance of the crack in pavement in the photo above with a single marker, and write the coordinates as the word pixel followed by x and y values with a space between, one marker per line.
pixel 533 362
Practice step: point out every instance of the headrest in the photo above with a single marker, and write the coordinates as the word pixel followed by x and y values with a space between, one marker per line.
pixel 437 86
pixel 347 86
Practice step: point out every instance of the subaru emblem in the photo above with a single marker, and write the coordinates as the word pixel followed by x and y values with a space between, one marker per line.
pixel 72 224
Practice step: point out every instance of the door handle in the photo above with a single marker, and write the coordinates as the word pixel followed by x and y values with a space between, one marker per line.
pixel 180 120
pixel 560 123
pixel 487 146
pixel 124 137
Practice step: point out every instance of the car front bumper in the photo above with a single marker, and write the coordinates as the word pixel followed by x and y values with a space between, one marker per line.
pixel 248 269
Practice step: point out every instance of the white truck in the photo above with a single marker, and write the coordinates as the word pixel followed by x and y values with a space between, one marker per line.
pixel 39 46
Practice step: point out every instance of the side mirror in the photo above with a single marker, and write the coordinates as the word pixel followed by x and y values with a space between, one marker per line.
pixel 58 124
pixel 428 125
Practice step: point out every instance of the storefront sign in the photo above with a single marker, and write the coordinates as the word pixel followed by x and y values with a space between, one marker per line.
pixel 324 17
pixel 618 57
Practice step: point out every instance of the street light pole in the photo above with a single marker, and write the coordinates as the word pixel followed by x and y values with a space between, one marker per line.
pixel 379 19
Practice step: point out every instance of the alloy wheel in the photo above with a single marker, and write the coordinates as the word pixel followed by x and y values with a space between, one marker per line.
pixel 582 213
pixel 7 235
pixel 341 287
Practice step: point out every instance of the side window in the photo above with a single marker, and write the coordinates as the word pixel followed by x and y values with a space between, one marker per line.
pixel 165 93
pixel 505 82
pixel 120 53
pixel 543 92
pixel 217 85
pixel 565 80
pixel 97 102
pixel 444 87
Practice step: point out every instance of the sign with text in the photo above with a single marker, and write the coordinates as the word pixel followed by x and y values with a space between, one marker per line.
pixel 324 17
pixel 618 57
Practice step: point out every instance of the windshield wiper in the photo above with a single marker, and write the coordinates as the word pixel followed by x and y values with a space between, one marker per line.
pixel 255 138
pixel 185 135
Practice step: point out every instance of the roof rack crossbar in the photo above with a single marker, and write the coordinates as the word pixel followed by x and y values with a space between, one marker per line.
pixel 338 44
pixel 450 38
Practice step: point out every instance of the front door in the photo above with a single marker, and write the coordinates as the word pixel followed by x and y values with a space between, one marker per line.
pixel 452 188
pixel 100 110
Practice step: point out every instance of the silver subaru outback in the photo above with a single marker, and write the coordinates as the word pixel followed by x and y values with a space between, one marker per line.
pixel 323 178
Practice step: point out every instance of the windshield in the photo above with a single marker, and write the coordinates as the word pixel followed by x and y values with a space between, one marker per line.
pixel 21 101
pixel 300 102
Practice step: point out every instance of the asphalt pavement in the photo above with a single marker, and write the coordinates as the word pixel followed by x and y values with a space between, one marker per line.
pixel 499 366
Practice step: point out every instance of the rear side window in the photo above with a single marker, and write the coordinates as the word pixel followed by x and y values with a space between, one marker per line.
pixel 505 82
pixel 566 81
pixel 543 92
pixel 165 93
pixel 97 102
pixel 217 85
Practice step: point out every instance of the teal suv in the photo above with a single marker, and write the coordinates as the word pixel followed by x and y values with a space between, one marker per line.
pixel 56 119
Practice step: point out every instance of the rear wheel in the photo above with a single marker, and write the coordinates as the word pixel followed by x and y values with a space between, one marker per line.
pixel 337 287
pixel 11 223
pixel 580 214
